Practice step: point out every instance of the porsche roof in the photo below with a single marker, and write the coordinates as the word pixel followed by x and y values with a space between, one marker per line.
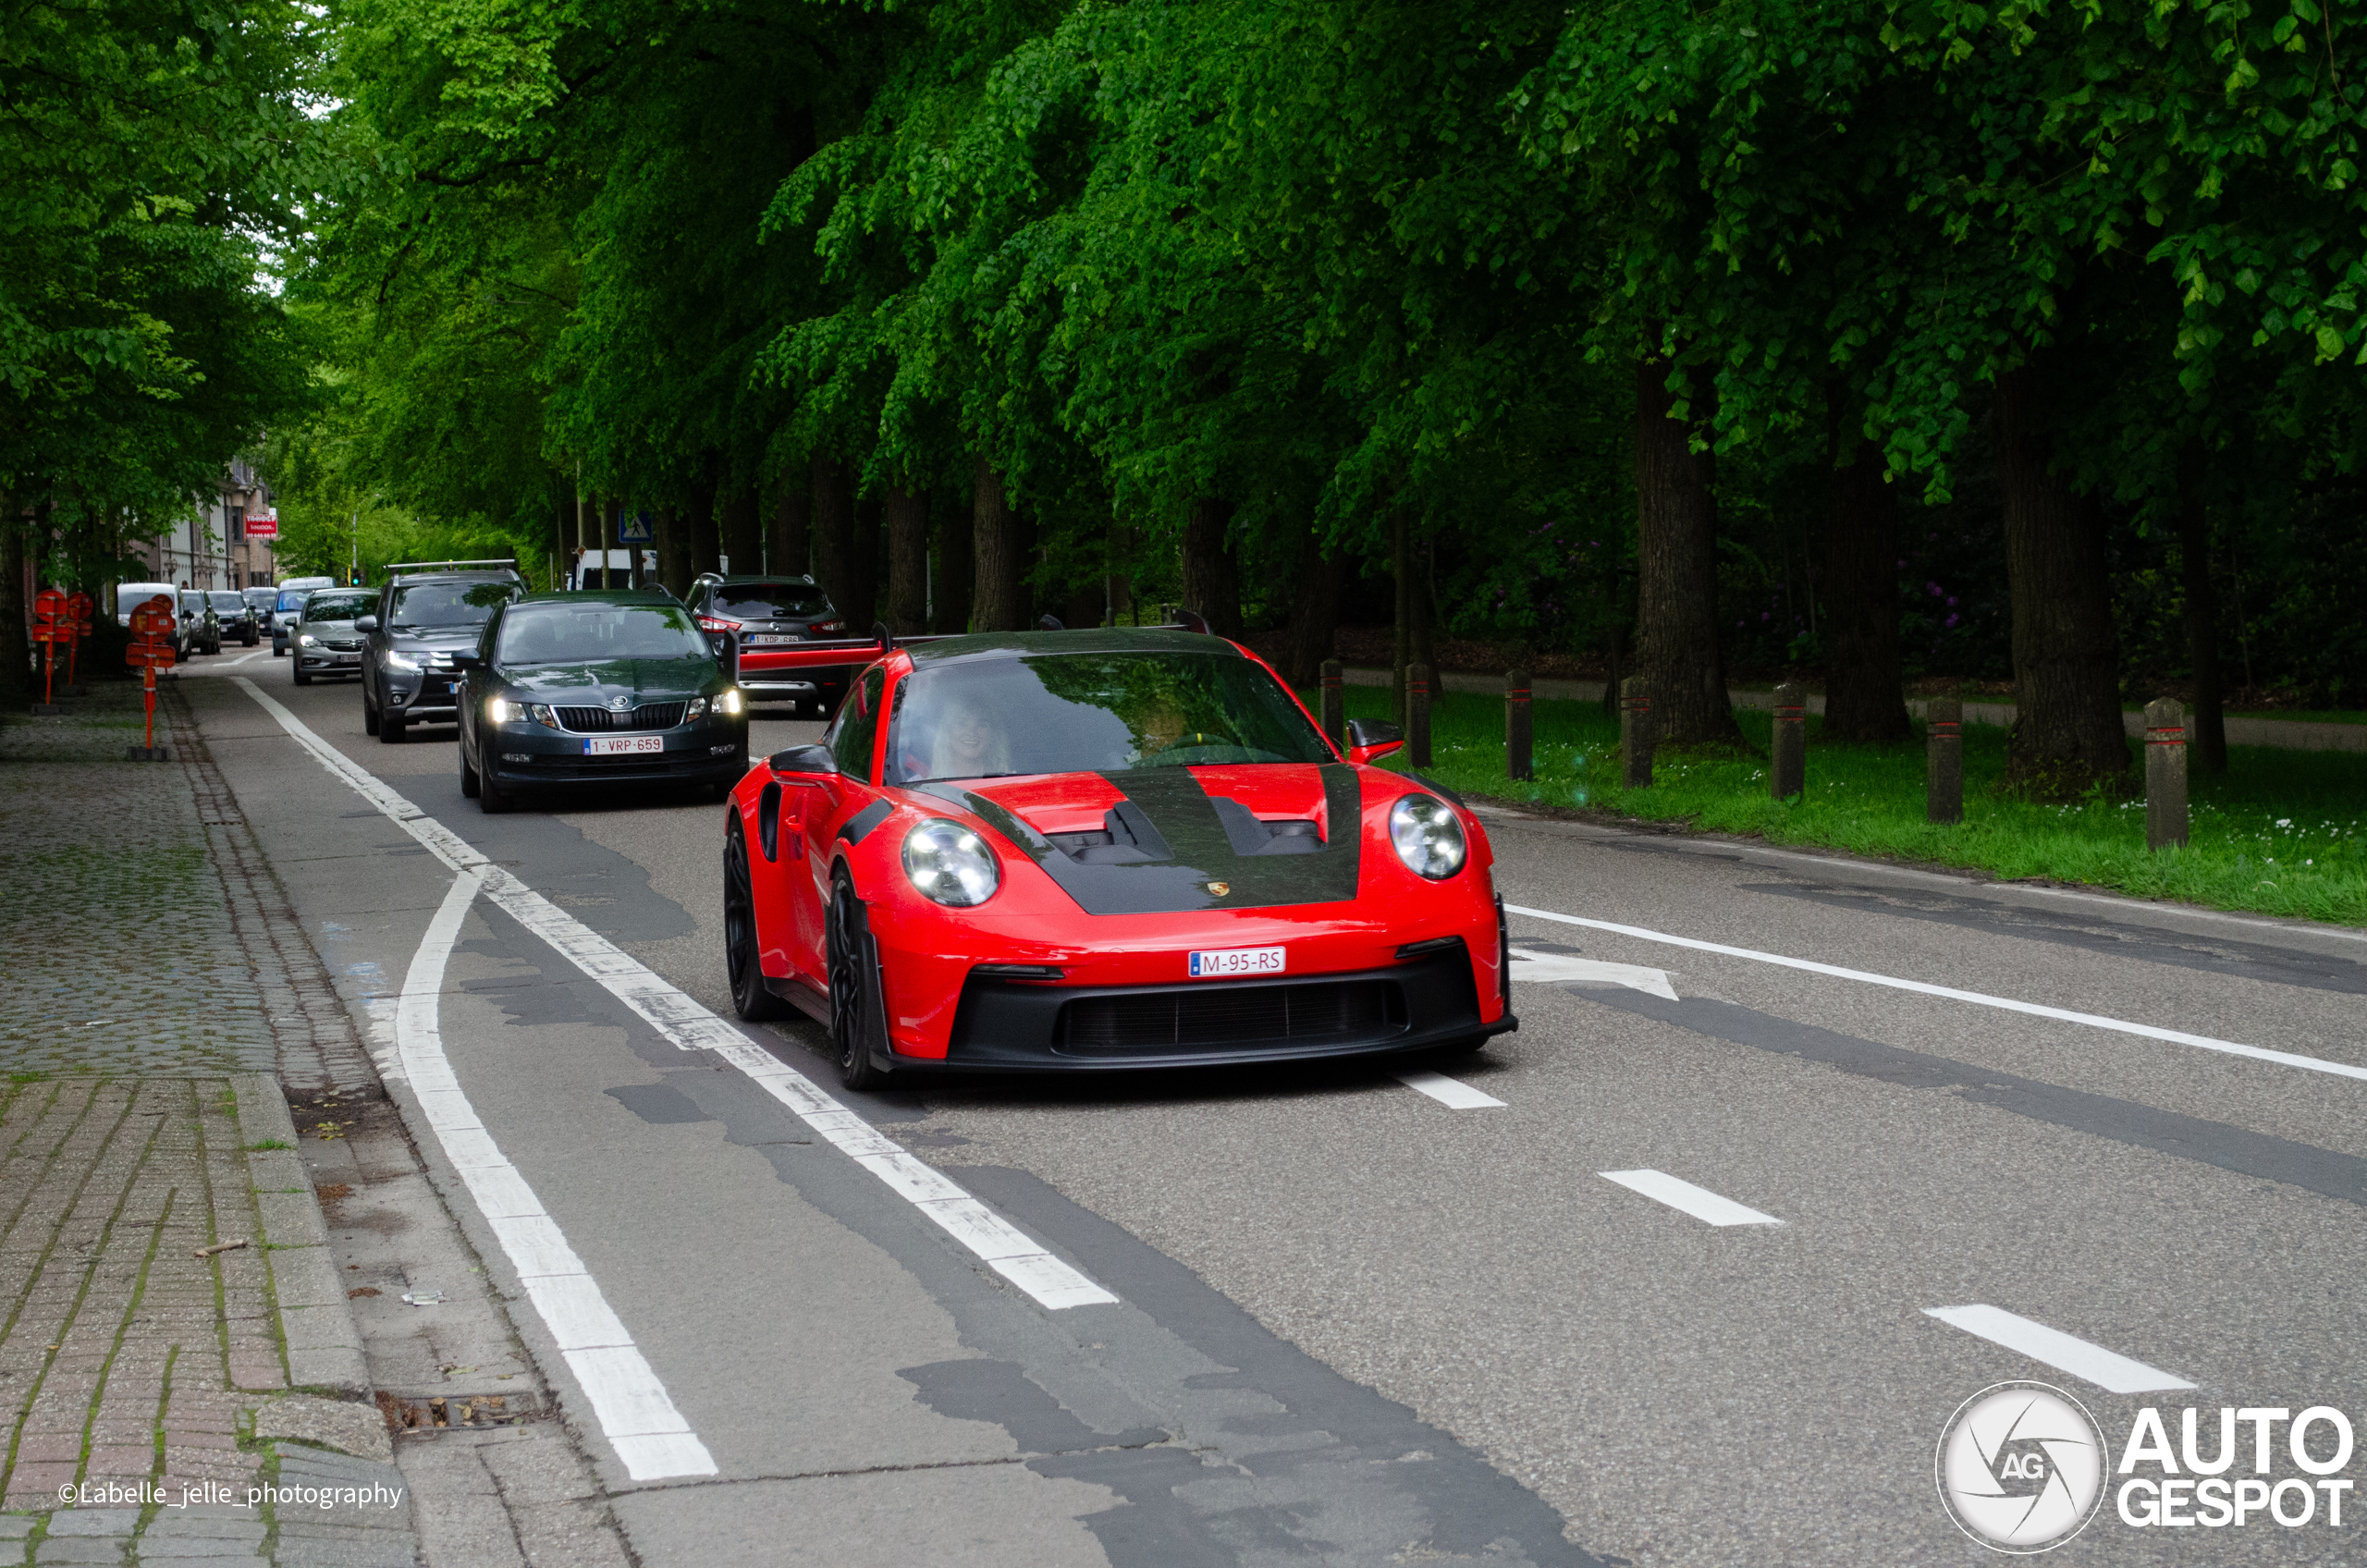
pixel 1093 639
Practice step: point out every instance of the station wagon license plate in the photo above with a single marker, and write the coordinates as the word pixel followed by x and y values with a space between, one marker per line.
pixel 1233 963
pixel 623 745
pixel 767 638
pixel 348 659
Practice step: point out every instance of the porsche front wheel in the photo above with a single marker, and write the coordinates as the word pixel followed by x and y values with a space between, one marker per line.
pixel 742 947
pixel 851 987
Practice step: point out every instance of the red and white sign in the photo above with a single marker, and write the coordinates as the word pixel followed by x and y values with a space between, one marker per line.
pixel 263 524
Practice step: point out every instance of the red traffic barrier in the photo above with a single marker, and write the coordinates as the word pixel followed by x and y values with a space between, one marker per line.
pixel 52 625
pixel 151 650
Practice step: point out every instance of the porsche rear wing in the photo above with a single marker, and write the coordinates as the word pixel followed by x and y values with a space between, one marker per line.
pixel 838 653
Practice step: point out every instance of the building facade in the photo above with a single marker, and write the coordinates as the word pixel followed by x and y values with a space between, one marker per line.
pixel 214 547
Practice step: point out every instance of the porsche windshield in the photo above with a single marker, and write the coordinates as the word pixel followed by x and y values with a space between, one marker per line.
pixel 568 634
pixel 1101 713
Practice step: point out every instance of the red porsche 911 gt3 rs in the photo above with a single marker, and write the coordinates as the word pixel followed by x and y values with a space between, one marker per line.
pixel 1103 849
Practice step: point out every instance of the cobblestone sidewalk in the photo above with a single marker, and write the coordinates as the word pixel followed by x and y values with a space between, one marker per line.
pixel 157 1404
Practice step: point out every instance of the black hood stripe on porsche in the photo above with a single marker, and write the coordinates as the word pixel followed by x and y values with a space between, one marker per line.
pixel 1182 840
pixel 854 829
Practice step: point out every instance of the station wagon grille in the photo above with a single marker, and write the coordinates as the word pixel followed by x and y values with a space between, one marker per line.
pixel 593 721
pixel 1225 1016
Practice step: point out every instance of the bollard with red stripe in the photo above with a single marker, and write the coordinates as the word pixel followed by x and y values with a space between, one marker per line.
pixel 1637 735
pixel 1520 761
pixel 1944 761
pixel 2166 808
pixel 152 626
pixel 1788 758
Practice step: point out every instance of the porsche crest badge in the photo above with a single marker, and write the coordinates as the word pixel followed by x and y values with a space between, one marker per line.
pixel 1220 888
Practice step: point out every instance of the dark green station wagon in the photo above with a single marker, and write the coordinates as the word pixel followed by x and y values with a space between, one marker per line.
pixel 614 687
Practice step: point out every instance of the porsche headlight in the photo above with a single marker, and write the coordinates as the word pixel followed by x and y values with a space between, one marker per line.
pixel 1427 836
pixel 731 703
pixel 950 864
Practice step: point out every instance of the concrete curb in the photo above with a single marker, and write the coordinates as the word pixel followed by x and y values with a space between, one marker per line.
pixel 315 1322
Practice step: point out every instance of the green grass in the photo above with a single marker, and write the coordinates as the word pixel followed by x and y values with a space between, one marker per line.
pixel 2330 716
pixel 2280 832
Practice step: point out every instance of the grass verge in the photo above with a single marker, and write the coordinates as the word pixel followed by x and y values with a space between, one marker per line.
pixel 2279 833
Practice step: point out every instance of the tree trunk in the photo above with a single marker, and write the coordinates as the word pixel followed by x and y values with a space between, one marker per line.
pixel 834 537
pixel 1864 688
pixel 15 631
pixel 1120 589
pixel 674 546
pixel 792 551
pixel 1001 545
pixel 1314 618
pixel 698 530
pixel 1401 620
pixel 863 567
pixel 743 540
pixel 957 568
pixel 1211 585
pixel 906 514
pixel 1676 572
pixel 2067 730
pixel 2207 747
pixel 1421 611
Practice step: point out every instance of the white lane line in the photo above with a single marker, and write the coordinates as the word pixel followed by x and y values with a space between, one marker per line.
pixel 1451 1093
pixel 2093 1021
pixel 1679 1194
pixel 1018 1258
pixel 632 1406
pixel 1564 969
pixel 2106 1369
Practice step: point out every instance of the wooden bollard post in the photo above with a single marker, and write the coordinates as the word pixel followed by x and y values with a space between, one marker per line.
pixel 2166 814
pixel 1335 713
pixel 1417 714
pixel 1787 767
pixel 1637 733
pixel 1519 752
pixel 1943 760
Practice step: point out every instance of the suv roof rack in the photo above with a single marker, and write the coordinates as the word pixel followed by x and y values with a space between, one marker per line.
pixel 507 562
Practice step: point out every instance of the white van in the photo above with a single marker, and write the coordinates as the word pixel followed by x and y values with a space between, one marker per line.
pixel 609 569
pixel 129 596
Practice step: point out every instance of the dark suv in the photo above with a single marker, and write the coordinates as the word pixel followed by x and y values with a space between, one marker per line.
pixel 428 611
pixel 772 609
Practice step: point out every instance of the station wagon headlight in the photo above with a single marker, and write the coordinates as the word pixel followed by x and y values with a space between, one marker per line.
pixel 696 709
pixel 1427 836
pixel 501 710
pixel 951 864
pixel 731 703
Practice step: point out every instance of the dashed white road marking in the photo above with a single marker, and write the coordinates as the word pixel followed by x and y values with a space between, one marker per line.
pixel 631 1404
pixel 1565 969
pixel 1678 1193
pixel 1453 1093
pixel 1010 1251
pixel 2035 1010
pixel 2106 1369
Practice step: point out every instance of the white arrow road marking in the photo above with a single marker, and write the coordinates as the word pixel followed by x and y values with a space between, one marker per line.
pixel 634 1408
pixel 2093 1021
pixel 1018 1258
pixel 1678 1193
pixel 2106 1369
pixel 1451 1093
pixel 1564 969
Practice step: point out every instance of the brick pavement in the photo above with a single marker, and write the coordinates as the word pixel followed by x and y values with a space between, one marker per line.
pixel 150 956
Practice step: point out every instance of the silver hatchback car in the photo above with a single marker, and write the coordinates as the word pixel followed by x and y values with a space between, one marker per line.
pixel 322 636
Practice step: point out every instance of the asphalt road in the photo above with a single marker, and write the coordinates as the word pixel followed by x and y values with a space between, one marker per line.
pixel 1353 1323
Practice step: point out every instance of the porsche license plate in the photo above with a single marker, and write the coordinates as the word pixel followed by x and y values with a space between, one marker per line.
pixel 623 745
pixel 1233 963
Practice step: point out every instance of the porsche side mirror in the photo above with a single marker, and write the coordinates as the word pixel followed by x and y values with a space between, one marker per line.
pixel 1369 740
pixel 804 759
pixel 365 623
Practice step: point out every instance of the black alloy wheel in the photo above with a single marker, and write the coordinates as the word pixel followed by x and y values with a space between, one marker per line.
pixel 742 945
pixel 849 989
pixel 369 709
pixel 390 729
pixel 492 799
pixel 467 772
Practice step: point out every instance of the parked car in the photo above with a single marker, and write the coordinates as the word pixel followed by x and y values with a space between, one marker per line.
pixel 288 603
pixel 771 612
pixel 605 687
pixel 609 569
pixel 428 611
pixel 237 616
pixel 323 634
pixel 129 596
pixel 200 627
pixel 1104 849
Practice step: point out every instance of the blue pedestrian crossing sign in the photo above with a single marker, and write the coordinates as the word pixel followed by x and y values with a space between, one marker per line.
pixel 633 528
